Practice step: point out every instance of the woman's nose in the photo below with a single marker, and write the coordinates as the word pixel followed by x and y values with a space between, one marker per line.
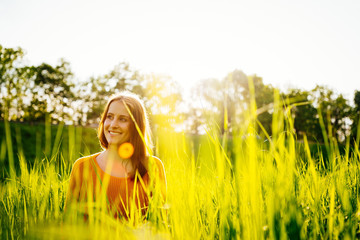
pixel 115 124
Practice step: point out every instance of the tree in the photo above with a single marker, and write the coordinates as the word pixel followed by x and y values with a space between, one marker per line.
pixel 51 92
pixel 305 117
pixel 160 94
pixel 28 93
pixel 355 117
pixel 228 100
pixel 335 112
pixel 219 102
pixel 264 97
pixel 162 98
pixel 206 103
pixel 12 83
pixel 95 93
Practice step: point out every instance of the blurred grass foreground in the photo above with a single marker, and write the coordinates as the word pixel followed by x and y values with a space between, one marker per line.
pixel 220 186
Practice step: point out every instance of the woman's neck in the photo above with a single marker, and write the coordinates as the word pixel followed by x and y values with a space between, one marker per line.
pixel 111 161
pixel 112 154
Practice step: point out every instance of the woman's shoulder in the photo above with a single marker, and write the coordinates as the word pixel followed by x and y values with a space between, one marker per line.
pixel 158 162
pixel 153 161
pixel 156 170
pixel 84 160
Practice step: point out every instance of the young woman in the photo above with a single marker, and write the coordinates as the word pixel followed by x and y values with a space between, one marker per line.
pixel 123 176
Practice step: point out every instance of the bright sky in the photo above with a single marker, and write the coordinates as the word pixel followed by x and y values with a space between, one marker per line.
pixel 287 43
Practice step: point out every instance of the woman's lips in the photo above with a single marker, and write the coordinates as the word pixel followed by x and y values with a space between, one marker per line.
pixel 114 133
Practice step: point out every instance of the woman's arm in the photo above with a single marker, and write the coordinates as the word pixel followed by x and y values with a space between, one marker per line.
pixel 73 188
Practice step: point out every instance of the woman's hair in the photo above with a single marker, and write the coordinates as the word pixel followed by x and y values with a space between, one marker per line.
pixel 140 143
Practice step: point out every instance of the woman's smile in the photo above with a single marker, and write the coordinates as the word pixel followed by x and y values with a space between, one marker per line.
pixel 114 133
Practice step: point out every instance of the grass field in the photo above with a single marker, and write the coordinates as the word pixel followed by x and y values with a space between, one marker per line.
pixel 237 186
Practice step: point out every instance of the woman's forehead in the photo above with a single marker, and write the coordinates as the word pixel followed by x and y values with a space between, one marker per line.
pixel 117 107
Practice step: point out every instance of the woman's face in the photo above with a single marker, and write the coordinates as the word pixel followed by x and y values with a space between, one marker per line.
pixel 117 124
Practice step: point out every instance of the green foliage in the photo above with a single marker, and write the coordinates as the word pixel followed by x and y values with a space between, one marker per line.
pixel 11 79
pixel 31 92
pixel 335 110
pixel 311 109
pixel 162 99
pixel 355 117
pixel 230 97
pixel 160 94
pixel 243 188
pixel 304 114
pixel 96 91
pixel 34 142
pixel 51 92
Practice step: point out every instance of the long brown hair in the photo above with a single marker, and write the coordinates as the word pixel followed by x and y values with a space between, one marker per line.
pixel 141 143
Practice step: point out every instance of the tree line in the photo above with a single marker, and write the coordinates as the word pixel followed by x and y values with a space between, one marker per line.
pixel 35 93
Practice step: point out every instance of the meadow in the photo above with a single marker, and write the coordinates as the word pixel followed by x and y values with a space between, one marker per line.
pixel 232 186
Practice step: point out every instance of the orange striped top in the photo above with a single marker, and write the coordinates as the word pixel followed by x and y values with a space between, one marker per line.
pixel 87 181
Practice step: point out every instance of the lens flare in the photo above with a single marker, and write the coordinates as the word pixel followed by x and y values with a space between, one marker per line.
pixel 126 150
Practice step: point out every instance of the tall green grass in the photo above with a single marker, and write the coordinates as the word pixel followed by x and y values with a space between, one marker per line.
pixel 236 186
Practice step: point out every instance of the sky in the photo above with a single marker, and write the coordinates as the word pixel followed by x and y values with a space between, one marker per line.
pixel 290 44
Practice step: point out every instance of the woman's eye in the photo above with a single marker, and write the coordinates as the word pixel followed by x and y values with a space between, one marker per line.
pixel 123 119
pixel 109 117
